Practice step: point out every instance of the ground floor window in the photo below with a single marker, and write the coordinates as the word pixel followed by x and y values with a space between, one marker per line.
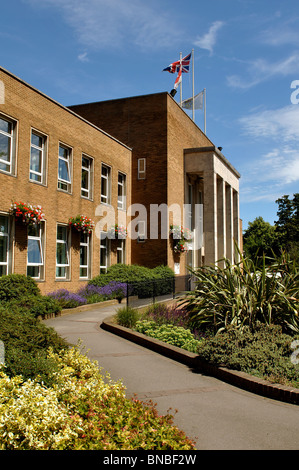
pixel 4 244
pixel 121 251
pixel 62 252
pixel 35 251
pixel 84 256
pixel 104 253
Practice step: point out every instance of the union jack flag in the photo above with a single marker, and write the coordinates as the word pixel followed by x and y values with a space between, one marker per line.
pixel 182 65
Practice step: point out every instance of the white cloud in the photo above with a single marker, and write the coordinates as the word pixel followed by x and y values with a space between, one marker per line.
pixel 83 57
pixel 100 24
pixel 261 70
pixel 281 124
pixel 208 40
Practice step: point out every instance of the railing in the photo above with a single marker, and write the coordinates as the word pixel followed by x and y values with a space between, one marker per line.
pixel 150 291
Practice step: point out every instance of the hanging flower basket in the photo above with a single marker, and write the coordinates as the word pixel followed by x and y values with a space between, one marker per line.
pixel 117 232
pixel 81 223
pixel 26 213
pixel 180 237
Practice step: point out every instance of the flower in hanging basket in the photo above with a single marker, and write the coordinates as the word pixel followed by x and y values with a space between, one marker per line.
pixel 180 246
pixel 26 213
pixel 117 232
pixel 81 223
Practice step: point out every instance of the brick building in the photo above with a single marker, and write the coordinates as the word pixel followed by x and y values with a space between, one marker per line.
pixel 126 161
pixel 174 163
pixel 51 157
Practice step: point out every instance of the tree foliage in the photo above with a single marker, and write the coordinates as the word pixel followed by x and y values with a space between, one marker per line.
pixel 262 238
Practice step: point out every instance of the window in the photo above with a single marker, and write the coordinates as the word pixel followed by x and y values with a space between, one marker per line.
pixel 4 244
pixel 121 191
pixel 64 168
pixel 141 232
pixel 141 168
pixel 84 256
pixel 7 146
pixel 35 256
pixel 121 252
pixel 62 252
pixel 37 158
pixel 104 253
pixel 86 177
pixel 105 184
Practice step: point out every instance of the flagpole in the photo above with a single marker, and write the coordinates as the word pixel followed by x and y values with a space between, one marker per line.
pixel 181 91
pixel 205 112
pixel 193 84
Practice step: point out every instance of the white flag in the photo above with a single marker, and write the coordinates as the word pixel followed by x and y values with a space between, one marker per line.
pixel 198 102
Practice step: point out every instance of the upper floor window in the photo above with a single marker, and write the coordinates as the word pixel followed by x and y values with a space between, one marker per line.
pixel 35 252
pixel 38 158
pixel 64 168
pixel 121 191
pixel 105 184
pixel 141 168
pixel 7 145
pixel 4 244
pixel 86 177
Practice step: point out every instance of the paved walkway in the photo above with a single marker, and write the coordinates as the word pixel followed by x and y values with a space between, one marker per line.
pixel 216 415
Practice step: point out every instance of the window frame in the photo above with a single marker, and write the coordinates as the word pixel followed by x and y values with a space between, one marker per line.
pixel 12 151
pixel 68 161
pixel 40 240
pixel 86 245
pixel 89 191
pixel 121 248
pixel 43 150
pixel 107 178
pixel 104 246
pixel 7 234
pixel 122 187
pixel 141 172
pixel 67 243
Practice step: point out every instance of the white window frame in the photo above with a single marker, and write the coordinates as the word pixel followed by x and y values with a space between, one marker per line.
pixel 141 168
pixel 141 232
pixel 121 191
pixel 66 242
pixel 40 240
pixel 43 150
pixel 12 151
pixel 87 193
pixel 121 251
pixel 104 245
pixel 63 184
pixel 85 245
pixel 105 198
pixel 6 235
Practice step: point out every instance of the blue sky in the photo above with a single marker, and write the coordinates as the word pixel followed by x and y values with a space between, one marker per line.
pixel 246 55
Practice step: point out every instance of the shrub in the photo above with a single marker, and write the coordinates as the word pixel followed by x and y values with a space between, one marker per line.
pixel 16 286
pixel 171 334
pixel 26 341
pixel 127 316
pixel 245 294
pixel 67 299
pixel 36 305
pixel 265 352
pixel 143 282
pixel 83 410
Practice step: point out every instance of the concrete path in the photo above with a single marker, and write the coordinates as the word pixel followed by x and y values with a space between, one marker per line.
pixel 216 415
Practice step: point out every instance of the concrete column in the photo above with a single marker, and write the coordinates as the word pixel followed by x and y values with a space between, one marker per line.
pixel 229 223
pixel 210 217
pixel 221 218
pixel 236 220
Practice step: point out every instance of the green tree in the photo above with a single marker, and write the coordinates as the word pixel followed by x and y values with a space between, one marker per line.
pixel 288 221
pixel 260 239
